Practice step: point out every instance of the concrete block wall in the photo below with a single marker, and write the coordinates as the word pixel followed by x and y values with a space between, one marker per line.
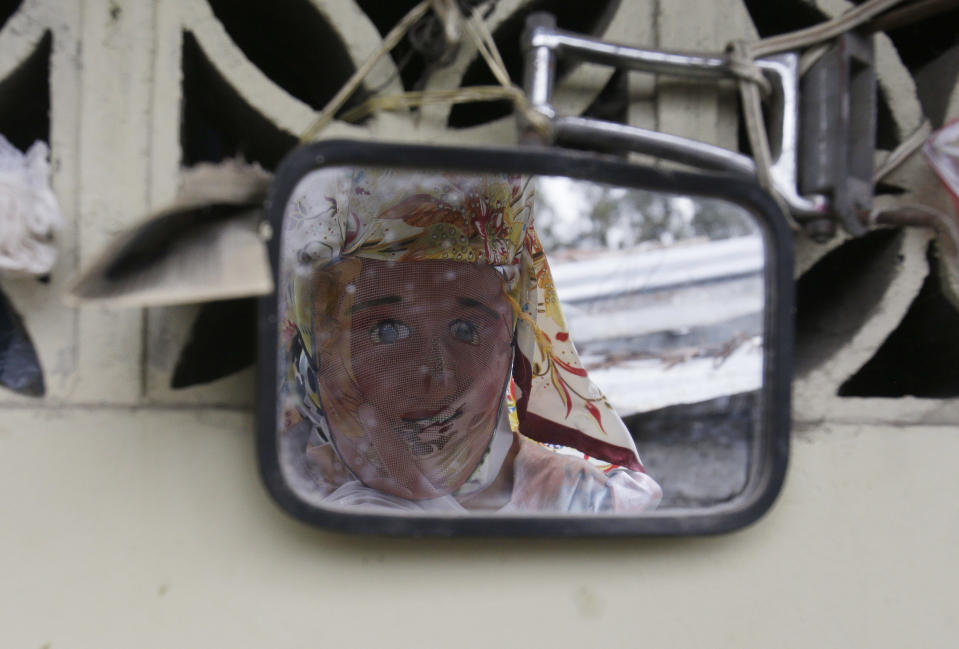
pixel 133 515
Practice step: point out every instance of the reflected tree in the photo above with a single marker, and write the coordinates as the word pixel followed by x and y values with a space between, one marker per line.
pixel 580 215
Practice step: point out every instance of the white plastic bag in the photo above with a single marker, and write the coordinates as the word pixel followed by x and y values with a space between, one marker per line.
pixel 29 213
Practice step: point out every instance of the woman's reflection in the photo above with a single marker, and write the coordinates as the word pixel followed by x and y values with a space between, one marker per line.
pixel 425 352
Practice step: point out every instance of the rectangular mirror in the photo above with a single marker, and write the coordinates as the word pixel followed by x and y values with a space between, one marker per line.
pixel 521 341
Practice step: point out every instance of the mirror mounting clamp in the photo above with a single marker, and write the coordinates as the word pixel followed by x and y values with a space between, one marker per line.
pixel 822 158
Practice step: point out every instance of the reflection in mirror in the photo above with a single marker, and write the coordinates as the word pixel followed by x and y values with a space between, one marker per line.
pixel 663 295
pixel 427 360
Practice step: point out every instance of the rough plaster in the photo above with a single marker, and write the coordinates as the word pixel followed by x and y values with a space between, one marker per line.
pixel 133 515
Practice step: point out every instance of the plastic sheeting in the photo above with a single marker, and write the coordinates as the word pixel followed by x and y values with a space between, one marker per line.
pixel 19 367
pixel 29 213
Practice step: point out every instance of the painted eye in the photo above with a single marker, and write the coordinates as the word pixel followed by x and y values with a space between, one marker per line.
pixel 465 331
pixel 389 331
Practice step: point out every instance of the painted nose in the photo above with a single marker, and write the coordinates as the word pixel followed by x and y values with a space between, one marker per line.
pixel 438 376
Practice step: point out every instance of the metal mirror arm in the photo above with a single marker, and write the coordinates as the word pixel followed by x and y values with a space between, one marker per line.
pixel 543 42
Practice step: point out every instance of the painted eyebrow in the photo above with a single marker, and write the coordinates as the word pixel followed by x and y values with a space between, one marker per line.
pixel 377 301
pixel 471 303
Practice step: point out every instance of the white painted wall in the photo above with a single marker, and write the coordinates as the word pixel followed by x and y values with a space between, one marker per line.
pixel 132 515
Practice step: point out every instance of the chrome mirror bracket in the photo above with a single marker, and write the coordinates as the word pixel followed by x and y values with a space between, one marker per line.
pixel 821 158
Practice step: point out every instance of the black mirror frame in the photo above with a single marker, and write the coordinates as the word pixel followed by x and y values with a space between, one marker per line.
pixel 770 454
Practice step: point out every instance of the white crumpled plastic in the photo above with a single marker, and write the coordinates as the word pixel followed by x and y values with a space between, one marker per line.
pixel 942 152
pixel 29 213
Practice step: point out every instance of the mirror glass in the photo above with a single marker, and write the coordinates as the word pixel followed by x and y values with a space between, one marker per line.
pixel 489 344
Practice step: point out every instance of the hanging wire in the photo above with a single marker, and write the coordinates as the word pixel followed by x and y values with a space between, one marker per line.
pixel 389 42
pixel 451 16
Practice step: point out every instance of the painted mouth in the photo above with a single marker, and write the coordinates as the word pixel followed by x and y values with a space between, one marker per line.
pixel 443 416
pixel 426 436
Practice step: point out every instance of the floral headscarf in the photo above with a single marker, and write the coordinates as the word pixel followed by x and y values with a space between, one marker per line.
pixel 338 216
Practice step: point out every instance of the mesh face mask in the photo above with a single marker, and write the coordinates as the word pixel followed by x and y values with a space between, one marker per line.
pixel 414 372
pixel 411 300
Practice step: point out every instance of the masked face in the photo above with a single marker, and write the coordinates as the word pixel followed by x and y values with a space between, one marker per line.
pixel 430 348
